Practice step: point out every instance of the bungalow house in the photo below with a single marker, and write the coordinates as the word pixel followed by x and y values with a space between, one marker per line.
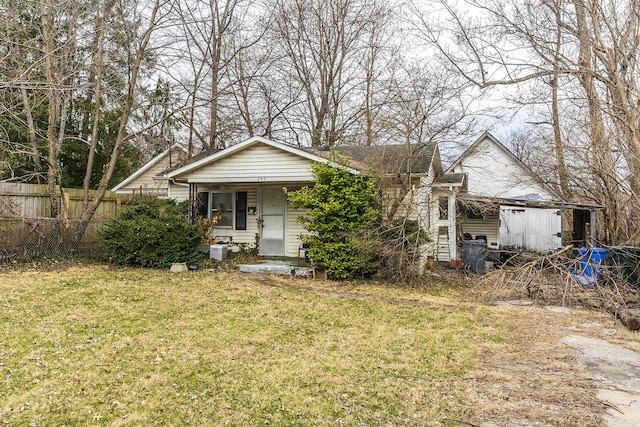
pixel 487 193
pixel 243 187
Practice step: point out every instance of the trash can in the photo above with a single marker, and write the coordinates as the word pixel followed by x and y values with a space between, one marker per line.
pixel 474 255
pixel 625 264
pixel 591 263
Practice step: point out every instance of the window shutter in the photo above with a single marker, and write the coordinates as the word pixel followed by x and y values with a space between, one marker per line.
pixel 241 210
pixel 203 204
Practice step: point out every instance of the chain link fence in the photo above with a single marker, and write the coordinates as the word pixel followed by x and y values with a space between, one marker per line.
pixel 37 238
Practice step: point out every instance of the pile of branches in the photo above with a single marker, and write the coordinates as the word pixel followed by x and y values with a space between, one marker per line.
pixel 552 279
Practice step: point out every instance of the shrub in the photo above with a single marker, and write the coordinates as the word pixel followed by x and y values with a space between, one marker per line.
pixel 154 233
pixel 342 209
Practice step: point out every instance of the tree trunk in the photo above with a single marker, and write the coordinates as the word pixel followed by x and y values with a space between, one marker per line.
pixel 98 66
pixel 121 136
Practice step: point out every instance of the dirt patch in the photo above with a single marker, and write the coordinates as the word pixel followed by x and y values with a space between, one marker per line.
pixel 537 381
pixel 552 370
pixel 563 367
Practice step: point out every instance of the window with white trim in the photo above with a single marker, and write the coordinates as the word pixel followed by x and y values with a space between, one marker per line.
pixel 222 209
pixel 443 208
pixel 227 208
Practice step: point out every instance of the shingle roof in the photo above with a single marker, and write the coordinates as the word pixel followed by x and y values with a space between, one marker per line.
pixel 450 178
pixel 390 159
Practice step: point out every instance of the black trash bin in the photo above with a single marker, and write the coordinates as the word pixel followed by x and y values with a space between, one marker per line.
pixel 625 264
pixel 474 255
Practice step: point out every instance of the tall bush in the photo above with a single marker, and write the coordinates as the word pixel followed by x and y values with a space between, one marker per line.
pixel 155 233
pixel 342 211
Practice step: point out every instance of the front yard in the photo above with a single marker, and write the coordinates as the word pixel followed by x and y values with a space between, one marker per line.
pixel 92 345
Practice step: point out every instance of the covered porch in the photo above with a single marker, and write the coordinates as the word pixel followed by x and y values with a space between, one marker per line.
pixel 241 193
pixel 509 225
pixel 249 217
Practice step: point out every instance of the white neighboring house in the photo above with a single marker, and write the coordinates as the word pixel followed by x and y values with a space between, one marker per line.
pixel 150 179
pixel 489 194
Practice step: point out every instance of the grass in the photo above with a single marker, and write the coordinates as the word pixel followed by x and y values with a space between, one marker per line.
pixel 96 346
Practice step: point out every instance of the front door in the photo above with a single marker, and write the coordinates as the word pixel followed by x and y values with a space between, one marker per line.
pixel 272 222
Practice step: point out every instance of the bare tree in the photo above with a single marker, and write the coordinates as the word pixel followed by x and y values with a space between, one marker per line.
pixel 209 28
pixel 137 56
pixel 518 43
pixel 321 42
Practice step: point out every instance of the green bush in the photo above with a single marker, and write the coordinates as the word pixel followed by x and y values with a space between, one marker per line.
pixel 342 210
pixel 154 233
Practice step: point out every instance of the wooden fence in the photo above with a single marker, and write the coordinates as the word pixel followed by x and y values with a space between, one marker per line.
pixel 27 231
pixel 19 200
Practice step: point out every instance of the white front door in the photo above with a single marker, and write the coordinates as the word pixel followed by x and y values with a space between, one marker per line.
pixel 272 222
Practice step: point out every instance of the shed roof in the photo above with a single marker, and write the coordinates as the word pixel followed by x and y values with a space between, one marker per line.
pixel 528 203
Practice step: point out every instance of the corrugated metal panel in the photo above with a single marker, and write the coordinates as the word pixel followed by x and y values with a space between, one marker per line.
pixel 532 229
pixel 258 163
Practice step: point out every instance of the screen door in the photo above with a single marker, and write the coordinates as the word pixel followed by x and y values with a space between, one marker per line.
pixel 272 221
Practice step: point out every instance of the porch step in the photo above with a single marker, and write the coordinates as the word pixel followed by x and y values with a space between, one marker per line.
pixel 288 270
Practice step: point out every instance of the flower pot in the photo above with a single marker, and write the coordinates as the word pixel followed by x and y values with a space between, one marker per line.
pixel 456 263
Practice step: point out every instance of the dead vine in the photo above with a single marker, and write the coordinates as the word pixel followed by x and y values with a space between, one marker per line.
pixel 555 279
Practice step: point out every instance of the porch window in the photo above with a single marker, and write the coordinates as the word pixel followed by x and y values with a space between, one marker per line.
pixel 443 208
pixel 222 209
pixel 228 208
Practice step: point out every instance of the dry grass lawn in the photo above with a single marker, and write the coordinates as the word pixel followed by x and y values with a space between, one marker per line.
pixel 91 345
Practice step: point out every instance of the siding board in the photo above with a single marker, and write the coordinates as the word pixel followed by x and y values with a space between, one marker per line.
pixel 258 163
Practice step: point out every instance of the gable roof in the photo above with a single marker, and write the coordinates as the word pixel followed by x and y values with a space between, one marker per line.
pixel 220 154
pixel 151 163
pixel 488 136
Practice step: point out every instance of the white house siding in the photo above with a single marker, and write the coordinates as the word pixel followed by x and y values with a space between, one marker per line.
pixel 443 246
pixel 530 228
pixel 178 192
pixel 486 227
pixel 145 182
pixel 408 207
pixel 258 163
pixel 492 172
pixel 424 201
